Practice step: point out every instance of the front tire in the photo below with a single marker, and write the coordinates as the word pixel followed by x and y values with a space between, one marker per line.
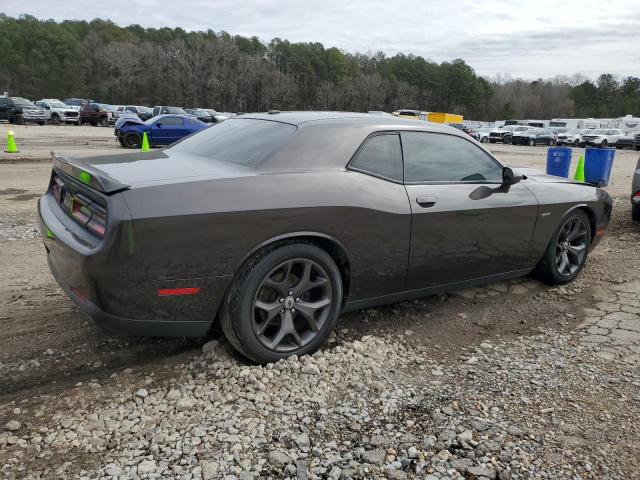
pixel 131 140
pixel 104 122
pixel 603 144
pixel 285 301
pixel 507 140
pixel 532 142
pixel 635 212
pixel 576 143
pixel 567 251
pixel 55 120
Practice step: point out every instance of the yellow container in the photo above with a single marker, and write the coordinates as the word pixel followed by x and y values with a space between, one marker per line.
pixel 439 117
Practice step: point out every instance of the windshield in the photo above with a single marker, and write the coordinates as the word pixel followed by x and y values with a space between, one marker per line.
pixel 598 131
pixel 144 109
pixel 242 141
pixel 57 105
pixel 22 101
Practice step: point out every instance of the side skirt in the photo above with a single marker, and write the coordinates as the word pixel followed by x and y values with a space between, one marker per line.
pixel 422 292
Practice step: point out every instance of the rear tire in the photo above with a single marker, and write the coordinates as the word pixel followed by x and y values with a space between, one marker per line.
pixel 279 327
pixel 576 143
pixel 635 212
pixel 507 140
pixel 567 251
pixel 131 140
pixel 604 144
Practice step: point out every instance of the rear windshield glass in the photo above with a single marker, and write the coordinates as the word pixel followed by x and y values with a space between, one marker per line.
pixel 241 141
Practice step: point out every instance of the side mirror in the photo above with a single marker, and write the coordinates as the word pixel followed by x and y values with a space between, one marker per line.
pixel 509 178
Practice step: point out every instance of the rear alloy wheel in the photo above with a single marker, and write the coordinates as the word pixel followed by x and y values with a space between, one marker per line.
pixel 131 140
pixel 284 302
pixel 567 252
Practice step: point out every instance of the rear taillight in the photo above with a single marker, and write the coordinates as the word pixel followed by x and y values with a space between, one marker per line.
pixel 56 187
pixel 635 198
pixel 84 209
pixel 98 222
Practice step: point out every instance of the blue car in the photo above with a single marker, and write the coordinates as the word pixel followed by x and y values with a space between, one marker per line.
pixel 161 129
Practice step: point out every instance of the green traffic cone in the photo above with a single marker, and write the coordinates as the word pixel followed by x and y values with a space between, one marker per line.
pixel 145 142
pixel 11 143
pixel 579 176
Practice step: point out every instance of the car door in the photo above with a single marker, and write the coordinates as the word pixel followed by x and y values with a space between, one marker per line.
pixel 465 223
pixel 167 130
pixel 4 108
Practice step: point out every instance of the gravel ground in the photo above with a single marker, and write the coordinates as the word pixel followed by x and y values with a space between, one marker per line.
pixel 515 380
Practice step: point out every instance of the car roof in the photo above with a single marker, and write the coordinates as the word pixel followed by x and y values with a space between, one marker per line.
pixel 375 122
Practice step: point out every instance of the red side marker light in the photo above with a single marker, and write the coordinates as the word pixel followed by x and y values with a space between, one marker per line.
pixel 168 292
pixel 81 296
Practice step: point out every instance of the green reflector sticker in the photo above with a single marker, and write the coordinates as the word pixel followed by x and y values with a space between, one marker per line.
pixel 50 234
pixel 85 178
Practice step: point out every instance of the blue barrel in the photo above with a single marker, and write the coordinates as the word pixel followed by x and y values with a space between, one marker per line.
pixel 597 165
pixel 559 161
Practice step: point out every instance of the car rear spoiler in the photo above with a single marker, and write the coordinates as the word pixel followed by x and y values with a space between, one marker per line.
pixel 81 170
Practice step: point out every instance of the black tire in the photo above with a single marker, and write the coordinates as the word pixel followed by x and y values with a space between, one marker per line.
pixel 104 122
pixel 41 123
pixel 635 212
pixel 532 142
pixel 484 139
pixel 55 120
pixel 18 119
pixel 576 143
pixel 637 148
pixel 492 141
pixel 507 140
pixel 131 140
pixel 238 317
pixel 547 269
pixel 603 144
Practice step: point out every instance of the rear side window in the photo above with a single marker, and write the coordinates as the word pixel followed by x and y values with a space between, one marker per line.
pixel 380 155
pixel 434 157
pixel 243 141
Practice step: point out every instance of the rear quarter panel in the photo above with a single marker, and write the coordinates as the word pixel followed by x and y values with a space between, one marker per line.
pixel 209 228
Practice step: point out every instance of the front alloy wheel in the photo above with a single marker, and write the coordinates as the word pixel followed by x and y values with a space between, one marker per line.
pixel 571 246
pixel 291 305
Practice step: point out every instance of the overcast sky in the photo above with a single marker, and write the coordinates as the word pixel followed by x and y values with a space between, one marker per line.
pixel 527 39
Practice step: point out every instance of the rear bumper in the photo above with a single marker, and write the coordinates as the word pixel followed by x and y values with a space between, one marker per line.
pixel 127 326
pixel 110 294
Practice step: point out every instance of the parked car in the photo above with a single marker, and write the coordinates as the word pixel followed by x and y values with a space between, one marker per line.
pixel 635 194
pixel 273 224
pixel 469 131
pixel 162 109
pixel 504 134
pixel 161 130
pixel 626 140
pixel 484 133
pixel 97 114
pixel 220 117
pixel 201 114
pixel 533 137
pixel 143 113
pixel 601 137
pixel 57 112
pixel 19 110
pixel 76 103
pixel 571 136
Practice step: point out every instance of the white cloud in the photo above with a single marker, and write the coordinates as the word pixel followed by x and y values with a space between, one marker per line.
pixel 525 39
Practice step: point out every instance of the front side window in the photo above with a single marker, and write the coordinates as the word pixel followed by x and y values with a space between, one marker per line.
pixel 434 157
pixel 170 121
pixel 380 155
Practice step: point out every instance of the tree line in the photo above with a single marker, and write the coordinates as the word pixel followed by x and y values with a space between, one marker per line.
pixel 170 66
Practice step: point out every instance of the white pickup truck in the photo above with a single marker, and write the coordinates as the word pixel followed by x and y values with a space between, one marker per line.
pixel 57 112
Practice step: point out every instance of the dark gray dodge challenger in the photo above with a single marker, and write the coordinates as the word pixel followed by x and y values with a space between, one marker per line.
pixel 270 225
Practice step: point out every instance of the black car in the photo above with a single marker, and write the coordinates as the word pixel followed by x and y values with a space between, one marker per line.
pixel 533 137
pixel 270 225
pixel 19 110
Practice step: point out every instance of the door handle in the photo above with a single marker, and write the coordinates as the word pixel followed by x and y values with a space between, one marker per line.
pixel 426 202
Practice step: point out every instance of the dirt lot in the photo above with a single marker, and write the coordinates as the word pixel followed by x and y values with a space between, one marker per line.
pixel 512 380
